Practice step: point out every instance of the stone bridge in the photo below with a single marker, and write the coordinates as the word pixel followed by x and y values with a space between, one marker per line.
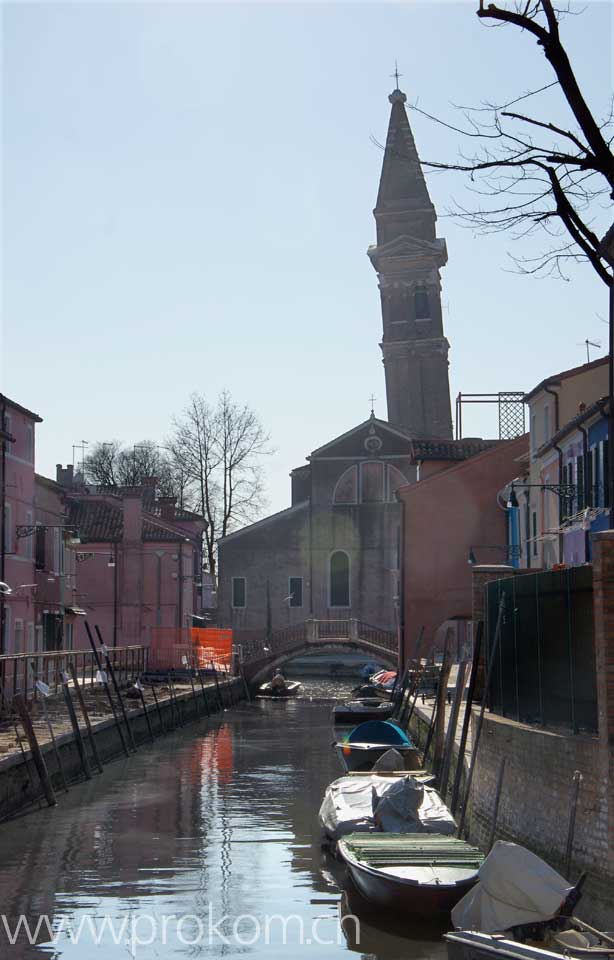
pixel 260 657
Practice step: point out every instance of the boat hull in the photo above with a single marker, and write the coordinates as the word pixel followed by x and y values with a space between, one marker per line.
pixel 362 756
pixel 419 879
pixel 268 692
pixel 356 713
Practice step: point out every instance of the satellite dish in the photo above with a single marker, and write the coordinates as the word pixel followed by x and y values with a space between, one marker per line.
pixel 5 589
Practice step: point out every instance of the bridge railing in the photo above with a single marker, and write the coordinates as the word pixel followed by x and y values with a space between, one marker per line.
pixel 292 637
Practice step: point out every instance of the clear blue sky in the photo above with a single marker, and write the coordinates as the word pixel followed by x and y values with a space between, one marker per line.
pixel 188 194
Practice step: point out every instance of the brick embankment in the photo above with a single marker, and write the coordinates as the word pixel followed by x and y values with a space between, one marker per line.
pixel 19 784
pixel 536 799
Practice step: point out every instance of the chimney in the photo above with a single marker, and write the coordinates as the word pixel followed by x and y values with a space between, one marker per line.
pixel 132 506
pixel 65 475
pixel 167 507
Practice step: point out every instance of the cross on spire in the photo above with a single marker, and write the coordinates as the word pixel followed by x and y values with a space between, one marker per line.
pixel 372 400
pixel 396 74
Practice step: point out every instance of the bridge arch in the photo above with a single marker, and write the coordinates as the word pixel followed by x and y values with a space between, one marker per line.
pixel 259 669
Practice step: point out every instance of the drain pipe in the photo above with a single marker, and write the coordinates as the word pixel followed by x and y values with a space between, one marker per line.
pixel 584 433
pixel 554 394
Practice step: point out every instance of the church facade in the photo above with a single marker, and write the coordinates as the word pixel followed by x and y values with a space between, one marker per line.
pixel 334 553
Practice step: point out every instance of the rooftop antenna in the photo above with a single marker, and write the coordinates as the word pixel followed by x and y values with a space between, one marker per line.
pixel 588 344
pixel 396 74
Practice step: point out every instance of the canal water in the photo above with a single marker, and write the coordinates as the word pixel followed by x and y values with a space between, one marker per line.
pixel 206 844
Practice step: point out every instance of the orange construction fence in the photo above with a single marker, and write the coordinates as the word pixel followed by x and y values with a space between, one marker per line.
pixel 172 648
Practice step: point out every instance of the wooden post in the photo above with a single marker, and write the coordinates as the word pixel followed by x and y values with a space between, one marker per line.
pixel 478 730
pixel 452 725
pixel 196 706
pixel 204 692
pixel 118 693
pixel 25 762
pixel 475 666
pixel 75 728
pixel 495 811
pixel 217 687
pixel 159 712
pixel 35 750
pixel 571 828
pixel 86 716
pixel 54 745
pixel 440 716
pixel 139 688
pixel 107 689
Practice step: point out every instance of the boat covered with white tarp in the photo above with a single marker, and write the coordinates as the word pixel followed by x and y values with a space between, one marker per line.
pixel 400 804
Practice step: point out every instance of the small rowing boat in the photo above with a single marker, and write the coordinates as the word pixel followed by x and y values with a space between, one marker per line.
pixel 367 708
pixel 421 874
pixel 369 741
pixel 289 689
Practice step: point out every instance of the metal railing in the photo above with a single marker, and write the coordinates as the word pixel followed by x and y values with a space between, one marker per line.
pixel 350 631
pixel 20 671
pixel 544 670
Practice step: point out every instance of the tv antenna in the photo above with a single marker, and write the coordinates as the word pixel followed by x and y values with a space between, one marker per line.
pixel 588 344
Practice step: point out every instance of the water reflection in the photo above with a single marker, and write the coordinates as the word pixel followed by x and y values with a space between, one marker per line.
pixel 216 820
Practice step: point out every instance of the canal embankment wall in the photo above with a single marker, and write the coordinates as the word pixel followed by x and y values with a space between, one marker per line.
pixel 20 786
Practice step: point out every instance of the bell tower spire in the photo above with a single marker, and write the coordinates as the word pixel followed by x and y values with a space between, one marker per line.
pixel 407 258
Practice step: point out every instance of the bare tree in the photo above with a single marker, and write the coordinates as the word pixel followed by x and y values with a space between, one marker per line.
pixel 532 174
pixel 220 448
pixel 114 465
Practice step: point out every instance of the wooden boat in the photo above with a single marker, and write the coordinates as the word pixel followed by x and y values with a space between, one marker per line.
pixel 367 708
pixel 290 689
pixel 422 874
pixel 472 945
pixel 370 740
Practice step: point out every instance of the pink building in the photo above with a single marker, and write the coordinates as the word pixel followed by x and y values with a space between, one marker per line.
pixel 17 514
pixel 138 563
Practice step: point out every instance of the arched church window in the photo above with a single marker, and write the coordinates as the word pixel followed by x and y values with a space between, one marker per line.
pixel 421 303
pixel 372 482
pixel 346 490
pixel 395 480
pixel 339 587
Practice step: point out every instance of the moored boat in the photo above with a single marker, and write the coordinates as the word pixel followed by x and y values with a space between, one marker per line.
pixel 367 708
pixel 411 873
pixel 402 802
pixel 370 740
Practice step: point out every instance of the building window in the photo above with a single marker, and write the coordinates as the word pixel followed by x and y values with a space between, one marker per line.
pixel 31 638
pixel 606 475
pixel 533 434
pixel 421 303
pixel 18 637
pixel 534 524
pixel 39 548
pixel 580 482
pixel 346 490
pixel 295 591
pixel 7 630
pixel 68 636
pixel 339 579
pixel 372 482
pixel 239 592
pixel 546 422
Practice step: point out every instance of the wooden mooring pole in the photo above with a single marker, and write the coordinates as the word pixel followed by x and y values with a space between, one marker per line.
pixel 86 716
pixel 37 756
pixel 460 763
pixel 118 693
pixel 478 730
pixel 103 679
pixel 448 752
pixel 75 727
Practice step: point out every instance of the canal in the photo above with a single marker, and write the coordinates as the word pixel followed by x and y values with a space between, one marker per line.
pixel 205 845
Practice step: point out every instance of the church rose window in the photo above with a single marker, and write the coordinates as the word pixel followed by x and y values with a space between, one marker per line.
pixel 339 579
pixel 378 483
